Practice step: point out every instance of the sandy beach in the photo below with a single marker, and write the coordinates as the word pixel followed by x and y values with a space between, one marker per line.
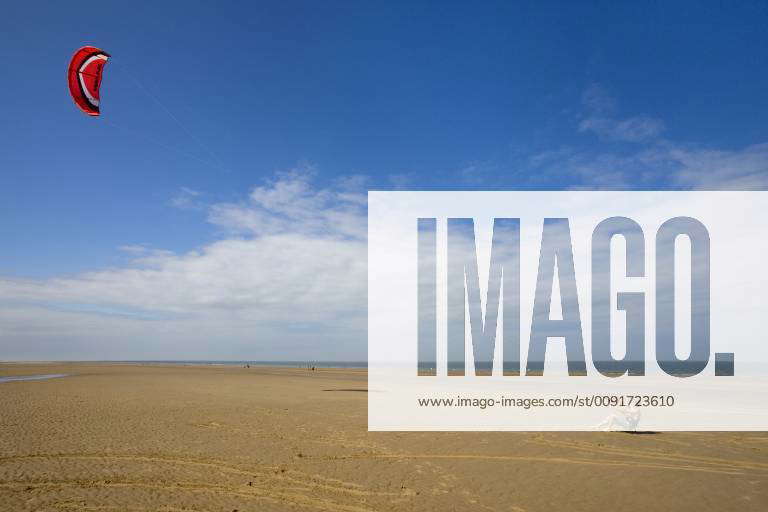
pixel 195 438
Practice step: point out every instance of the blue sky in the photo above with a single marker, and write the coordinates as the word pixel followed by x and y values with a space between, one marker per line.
pixel 313 103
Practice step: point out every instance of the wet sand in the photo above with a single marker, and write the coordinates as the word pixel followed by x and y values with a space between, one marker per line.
pixel 171 438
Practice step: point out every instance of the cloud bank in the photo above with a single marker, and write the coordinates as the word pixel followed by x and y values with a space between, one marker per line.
pixel 291 269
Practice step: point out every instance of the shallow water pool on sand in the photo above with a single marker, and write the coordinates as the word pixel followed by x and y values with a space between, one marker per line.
pixel 32 377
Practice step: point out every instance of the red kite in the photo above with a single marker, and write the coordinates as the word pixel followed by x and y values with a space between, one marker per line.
pixel 84 76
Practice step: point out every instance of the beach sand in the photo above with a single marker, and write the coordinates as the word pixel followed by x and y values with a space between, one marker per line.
pixel 194 438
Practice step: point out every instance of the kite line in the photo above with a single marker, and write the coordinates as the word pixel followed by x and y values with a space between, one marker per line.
pixel 214 158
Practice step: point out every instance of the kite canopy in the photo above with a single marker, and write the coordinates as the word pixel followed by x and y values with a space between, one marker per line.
pixel 84 78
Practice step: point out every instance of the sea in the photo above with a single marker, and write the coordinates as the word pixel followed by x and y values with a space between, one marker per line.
pixel 284 364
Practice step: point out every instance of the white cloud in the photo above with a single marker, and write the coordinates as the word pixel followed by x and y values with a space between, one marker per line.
pixel 633 129
pixel 400 181
pixel 293 269
pixel 601 119
pixel 662 165
pixel 653 162
pixel 185 198
pixel 290 204
pixel 741 169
